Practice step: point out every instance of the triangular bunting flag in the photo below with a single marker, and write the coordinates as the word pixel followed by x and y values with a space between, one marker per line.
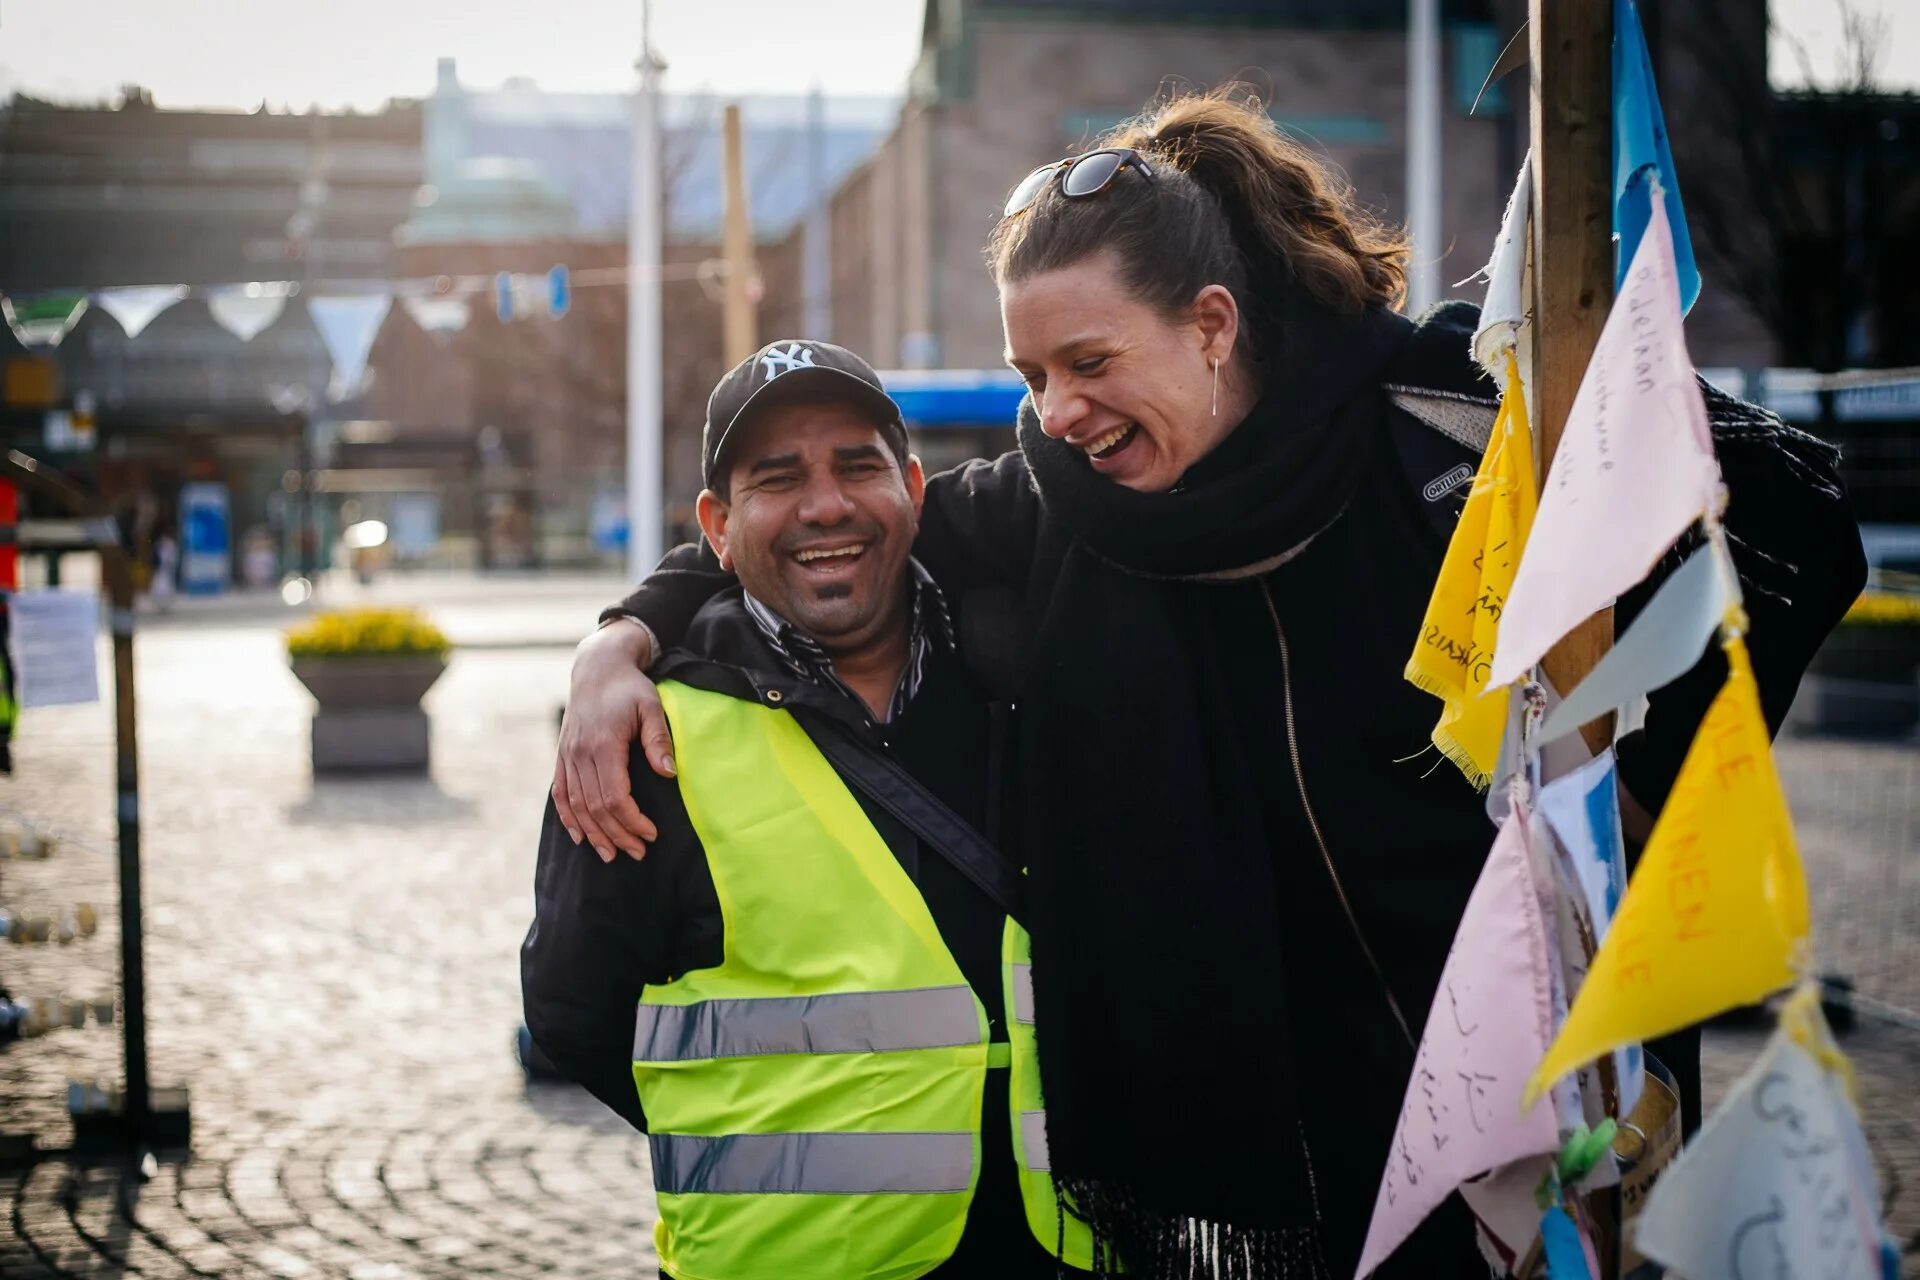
pixel 1491 1016
pixel 348 326
pixel 1778 1181
pixel 1718 906
pixel 1583 809
pixel 246 310
pixel 1661 646
pixel 42 321
pixel 438 314
pixel 1642 161
pixel 1450 659
pixel 1505 308
pixel 137 306
pixel 1634 468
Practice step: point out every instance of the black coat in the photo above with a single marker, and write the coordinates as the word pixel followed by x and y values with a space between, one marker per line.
pixel 1404 838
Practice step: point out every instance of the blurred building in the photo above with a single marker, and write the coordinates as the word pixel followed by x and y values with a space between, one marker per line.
pixel 136 195
pixel 520 180
pixel 1004 85
pixel 492 439
pixel 1001 87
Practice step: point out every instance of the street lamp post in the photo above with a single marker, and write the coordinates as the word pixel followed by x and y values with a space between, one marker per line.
pixel 1425 109
pixel 645 516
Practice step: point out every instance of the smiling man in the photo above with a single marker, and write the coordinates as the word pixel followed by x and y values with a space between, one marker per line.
pixel 802 991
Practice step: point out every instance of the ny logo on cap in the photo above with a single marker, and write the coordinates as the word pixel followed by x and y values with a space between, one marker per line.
pixel 777 362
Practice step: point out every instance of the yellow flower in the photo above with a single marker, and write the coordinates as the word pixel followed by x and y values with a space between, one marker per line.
pixel 366 631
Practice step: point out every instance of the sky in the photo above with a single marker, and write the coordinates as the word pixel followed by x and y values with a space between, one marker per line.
pixel 359 53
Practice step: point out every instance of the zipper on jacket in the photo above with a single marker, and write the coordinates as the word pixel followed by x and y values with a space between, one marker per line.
pixel 1306 805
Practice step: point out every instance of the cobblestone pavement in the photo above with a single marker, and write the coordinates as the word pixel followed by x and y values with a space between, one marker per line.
pixel 331 968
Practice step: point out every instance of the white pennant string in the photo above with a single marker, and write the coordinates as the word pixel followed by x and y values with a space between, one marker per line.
pixel 348 326
pixel 246 310
pixel 137 306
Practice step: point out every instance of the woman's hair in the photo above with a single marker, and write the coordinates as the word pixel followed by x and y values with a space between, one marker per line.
pixel 1233 201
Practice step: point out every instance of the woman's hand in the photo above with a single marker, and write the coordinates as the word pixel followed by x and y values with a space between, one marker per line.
pixel 610 704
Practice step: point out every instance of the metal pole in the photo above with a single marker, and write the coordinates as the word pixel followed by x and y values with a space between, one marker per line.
pixel 645 512
pixel 817 265
pixel 133 967
pixel 1425 112
pixel 136 1107
pixel 741 324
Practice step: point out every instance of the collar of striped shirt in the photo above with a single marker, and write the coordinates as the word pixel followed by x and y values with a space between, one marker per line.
pixel 931 624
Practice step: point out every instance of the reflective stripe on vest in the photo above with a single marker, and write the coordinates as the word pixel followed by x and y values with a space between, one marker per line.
pixel 843 1164
pixel 1023 993
pixel 861 1022
pixel 1063 1234
pixel 1033 1141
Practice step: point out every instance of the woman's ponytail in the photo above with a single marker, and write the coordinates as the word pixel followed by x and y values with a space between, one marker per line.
pixel 1234 202
pixel 1286 204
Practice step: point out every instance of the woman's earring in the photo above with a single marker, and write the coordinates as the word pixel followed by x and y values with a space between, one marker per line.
pixel 1216 387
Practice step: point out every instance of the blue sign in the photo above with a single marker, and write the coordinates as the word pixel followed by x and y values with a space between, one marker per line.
pixel 205 538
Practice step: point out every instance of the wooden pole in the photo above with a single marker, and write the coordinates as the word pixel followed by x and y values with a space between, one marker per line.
pixel 1572 250
pixel 1572 123
pixel 742 337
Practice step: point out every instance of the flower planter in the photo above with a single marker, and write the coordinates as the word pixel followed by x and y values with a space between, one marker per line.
pixel 370 718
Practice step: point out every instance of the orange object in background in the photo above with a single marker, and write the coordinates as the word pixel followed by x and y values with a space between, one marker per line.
pixel 30 382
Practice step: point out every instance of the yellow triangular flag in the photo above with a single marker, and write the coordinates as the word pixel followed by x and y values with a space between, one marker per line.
pixel 1718 906
pixel 1452 657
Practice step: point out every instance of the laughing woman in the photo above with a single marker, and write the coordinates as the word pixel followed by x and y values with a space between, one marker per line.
pixel 1243 886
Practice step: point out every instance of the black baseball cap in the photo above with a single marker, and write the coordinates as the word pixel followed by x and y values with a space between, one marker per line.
pixel 785 371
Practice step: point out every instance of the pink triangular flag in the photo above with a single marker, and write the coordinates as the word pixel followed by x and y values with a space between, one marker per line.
pixel 1490 1024
pixel 1634 468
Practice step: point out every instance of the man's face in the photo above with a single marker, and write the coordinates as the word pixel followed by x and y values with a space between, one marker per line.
pixel 818 520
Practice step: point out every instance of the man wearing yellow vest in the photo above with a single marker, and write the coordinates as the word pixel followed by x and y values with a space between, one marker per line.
pixel 810 993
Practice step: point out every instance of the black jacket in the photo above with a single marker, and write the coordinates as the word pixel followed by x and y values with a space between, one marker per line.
pixel 1407 843
pixel 602 932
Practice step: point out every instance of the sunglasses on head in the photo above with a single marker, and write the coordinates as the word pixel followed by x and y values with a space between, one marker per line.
pixel 1080 176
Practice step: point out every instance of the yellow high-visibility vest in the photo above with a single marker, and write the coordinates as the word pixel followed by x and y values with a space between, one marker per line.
pixel 815 1101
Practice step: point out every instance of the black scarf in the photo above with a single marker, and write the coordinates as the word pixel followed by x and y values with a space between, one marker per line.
pixel 1166 1054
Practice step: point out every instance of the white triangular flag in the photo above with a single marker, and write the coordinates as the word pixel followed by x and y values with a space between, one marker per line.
pixel 348 326
pixel 1778 1181
pixel 1661 646
pixel 438 314
pixel 1634 468
pixel 246 310
pixel 137 306
pixel 1505 308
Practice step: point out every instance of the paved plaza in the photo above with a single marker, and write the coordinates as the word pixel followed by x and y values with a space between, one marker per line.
pixel 332 969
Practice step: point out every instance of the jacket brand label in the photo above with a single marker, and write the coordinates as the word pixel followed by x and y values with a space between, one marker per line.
pixel 1442 485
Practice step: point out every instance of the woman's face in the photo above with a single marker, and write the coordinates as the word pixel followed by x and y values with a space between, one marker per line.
pixel 1115 379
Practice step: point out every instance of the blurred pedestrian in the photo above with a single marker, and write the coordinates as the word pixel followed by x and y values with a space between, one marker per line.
pixel 819 945
pixel 166 569
pixel 1220 533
